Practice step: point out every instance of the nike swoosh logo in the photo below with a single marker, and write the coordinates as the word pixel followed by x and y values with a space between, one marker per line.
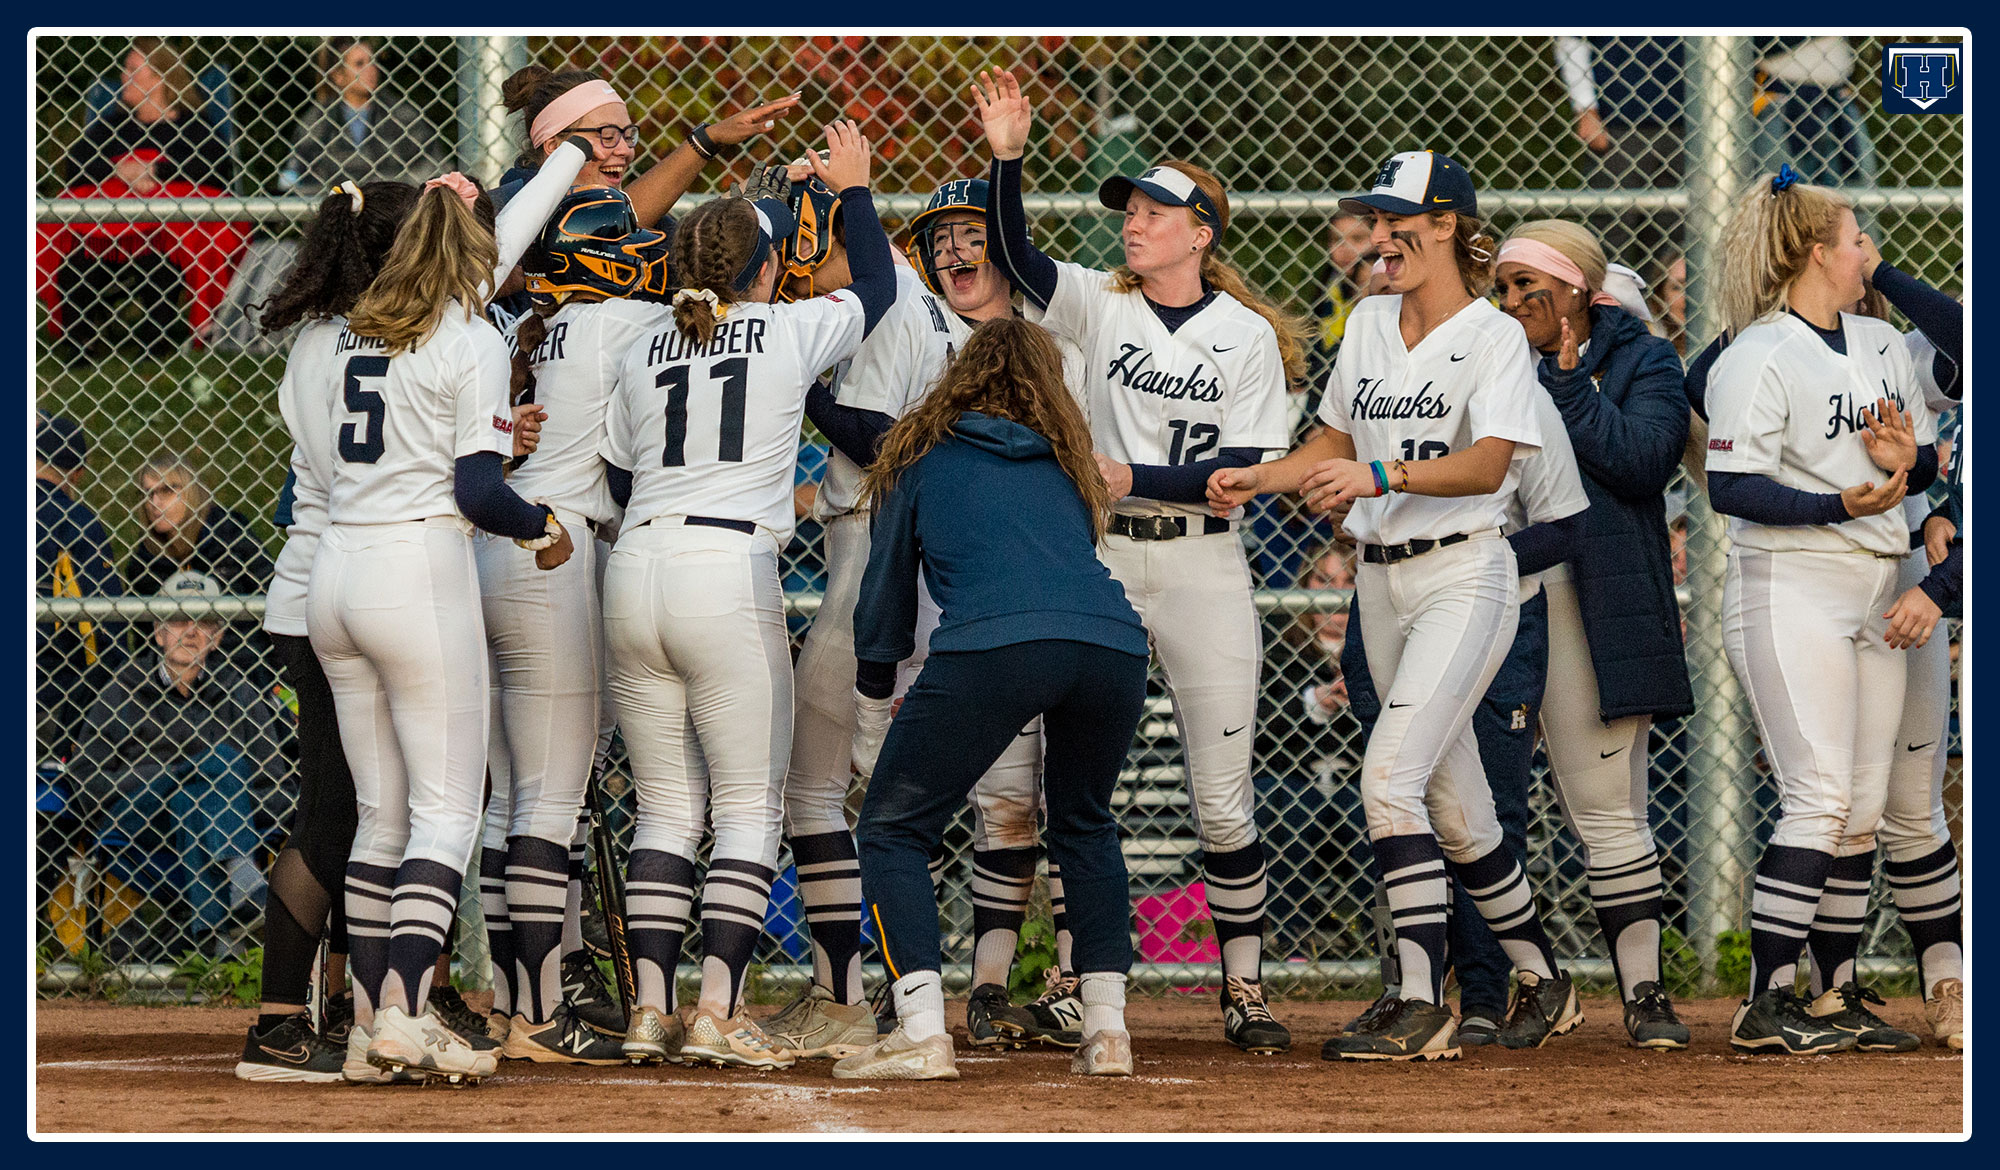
pixel 1030 731
pixel 1222 348
pixel 1233 731
pixel 1917 747
pixel 297 1055
pixel 1440 199
pixel 1459 357
pixel 1884 349
pixel 1609 754
pixel 1393 706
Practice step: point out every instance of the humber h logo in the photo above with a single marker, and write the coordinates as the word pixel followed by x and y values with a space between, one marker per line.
pixel 1388 176
pixel 1923 79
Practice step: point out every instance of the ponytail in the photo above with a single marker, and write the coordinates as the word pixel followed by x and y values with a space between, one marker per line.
pixel 1475 250
pixel 442 254
pixel 1769 242
pixel 342 253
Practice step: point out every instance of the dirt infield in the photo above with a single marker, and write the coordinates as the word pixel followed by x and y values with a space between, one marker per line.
pixel 105 1067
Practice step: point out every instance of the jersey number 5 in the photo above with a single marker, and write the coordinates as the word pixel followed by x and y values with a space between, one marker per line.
pixel 1191 440
pixel 362 442
pixel 734 374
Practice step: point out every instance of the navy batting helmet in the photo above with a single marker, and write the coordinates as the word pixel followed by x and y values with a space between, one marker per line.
pixel 814 209
pixel 593 244
pixel 968 195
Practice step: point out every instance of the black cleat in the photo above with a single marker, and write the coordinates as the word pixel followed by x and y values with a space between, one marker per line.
pixel 458 1015
pixel 1403 1029
pixel 1542 1008
pixel 583 987
pixel 1845 1008
pixel 1056 1017
pixel 1651 1022
pixel 992 1020
pixel 563 1040
pixel 290 1053
pixel 337 1019
pixel 1247 1021
pixel 1777 1022
pixel 1368 1016
pixel 1478 1029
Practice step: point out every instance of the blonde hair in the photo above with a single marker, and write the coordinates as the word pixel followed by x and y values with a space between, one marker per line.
pixel 1007 369
pixel 181 471
pixel 711 246
pixel 1473 249
pixel 1769 242
pixel 1294 334
pixel 1573 240
pixel 442 254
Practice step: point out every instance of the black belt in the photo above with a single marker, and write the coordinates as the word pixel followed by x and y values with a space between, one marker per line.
pixel 1163 527
pixel 1389 554
pixel 743 526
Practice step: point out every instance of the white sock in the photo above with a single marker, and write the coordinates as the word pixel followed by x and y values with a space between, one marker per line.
pixel 1103 994
pixel 920 1004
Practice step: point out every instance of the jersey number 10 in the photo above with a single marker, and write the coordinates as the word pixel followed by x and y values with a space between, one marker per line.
pixel 734 374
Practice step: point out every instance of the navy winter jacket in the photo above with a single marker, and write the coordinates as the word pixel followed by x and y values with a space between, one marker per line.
pixel 1627 416
pixel 1004 543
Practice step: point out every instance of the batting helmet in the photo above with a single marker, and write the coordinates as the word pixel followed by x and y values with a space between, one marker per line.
pixel 593 244
pixel 814 209
pixel 957 195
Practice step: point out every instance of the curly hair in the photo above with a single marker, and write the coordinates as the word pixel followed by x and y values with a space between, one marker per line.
pixel 1008 369
pixel 341 255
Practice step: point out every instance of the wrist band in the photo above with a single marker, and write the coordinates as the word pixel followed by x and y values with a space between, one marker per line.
pixel 1402 475
pixel 1381 478
pixel 702 143
pixel 552 530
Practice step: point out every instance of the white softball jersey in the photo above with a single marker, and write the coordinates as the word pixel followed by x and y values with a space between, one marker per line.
pixel 1783 404
pixel 303 402
pixel 1923 355
pixel 1161 397
pixel 893 370
pixel 1471 378
pixel 575 368
pixel 1549 488
pixel 713 430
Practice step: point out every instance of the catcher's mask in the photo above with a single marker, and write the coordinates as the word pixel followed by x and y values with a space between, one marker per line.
pixel 593 244
pixel 927 234
pixel 813 210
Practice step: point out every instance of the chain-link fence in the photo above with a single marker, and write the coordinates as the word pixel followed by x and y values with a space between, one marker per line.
pixel 173 176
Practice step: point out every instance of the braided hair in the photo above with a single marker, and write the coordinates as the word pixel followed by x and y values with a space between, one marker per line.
pixel 712 246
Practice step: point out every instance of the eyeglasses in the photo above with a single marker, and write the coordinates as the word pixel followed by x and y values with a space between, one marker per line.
pixel 608 136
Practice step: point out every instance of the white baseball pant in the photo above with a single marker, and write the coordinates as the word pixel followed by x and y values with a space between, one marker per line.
pixel 1913 818
pixel 1600 768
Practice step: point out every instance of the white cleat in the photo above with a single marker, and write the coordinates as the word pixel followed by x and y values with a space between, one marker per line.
pixel 896 1057
pixel 426 1045
pixel 1104 1054
pixel 1945 1010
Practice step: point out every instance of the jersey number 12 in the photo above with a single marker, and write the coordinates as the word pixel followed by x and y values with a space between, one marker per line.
pixel 734 374
pixel 362 442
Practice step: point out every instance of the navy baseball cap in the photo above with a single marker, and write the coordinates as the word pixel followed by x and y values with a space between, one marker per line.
pixel 1166 185
pixel 60 443
pixel 1414 181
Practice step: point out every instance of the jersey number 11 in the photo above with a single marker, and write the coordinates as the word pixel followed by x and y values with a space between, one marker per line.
pixel 734 374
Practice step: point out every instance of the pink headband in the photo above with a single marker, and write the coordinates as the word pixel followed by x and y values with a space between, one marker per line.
pixel 1536 254
pixel 575 102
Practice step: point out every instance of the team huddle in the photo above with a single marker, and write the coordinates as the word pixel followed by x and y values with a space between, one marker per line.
pixel 543 477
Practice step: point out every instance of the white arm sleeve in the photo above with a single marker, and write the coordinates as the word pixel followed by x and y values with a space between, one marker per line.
pixel 518 223
pixel 1573 59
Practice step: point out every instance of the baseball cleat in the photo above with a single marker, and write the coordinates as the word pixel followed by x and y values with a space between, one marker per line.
pixel 731 1043
pixel 473 1028
pixel 896 1057
pixel 814 1027
pixel 356 1070
pixel 290 1053
pixel 1404 1029
pixel 992 1020
pixel 1846 1008
pixel 1056 1017
pixel 1945 1012
pixel 1542 1008
pixel 1247 1021
pixel 1479 1029
pixel 1104 1054
pixel 583 986
pixel 564 1039
pixel 1650 1020
pixel 428 1046
pixel 655 1037
pixel 1369 1015
pixel 1777 1022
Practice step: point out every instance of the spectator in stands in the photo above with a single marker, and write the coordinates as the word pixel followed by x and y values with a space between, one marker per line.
pixel 1806 113
pixel 355 129
pixel 155 141
pixel 1667 296
pixel 72 559
pixel 1344 281
pixel 186 529
pixel 178 755
pixel 1626 95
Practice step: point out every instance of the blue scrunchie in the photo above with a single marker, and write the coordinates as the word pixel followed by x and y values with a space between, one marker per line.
pixel 1783 180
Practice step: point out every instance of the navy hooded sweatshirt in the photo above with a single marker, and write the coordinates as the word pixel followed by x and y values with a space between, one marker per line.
pixel 1003 541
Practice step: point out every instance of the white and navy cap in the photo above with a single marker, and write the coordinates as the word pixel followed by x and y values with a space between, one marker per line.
pixel 1414 181
pixel 190 583
pixel 1166 185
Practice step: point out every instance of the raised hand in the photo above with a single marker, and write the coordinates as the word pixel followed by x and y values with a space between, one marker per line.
pixel 845 163
pixel 746 124
pixel 1891 441
pixel 1006 115
pixel 1568 357
pixel 1872 499
pixel 1230 488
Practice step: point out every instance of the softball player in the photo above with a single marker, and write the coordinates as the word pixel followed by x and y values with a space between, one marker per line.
pixel 420 429
pixel 705 417
pixel 1428 411
pixel 1185 370
pixel 546 628
pixel 1817 542
pixel 1615 660
pixel 894 367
